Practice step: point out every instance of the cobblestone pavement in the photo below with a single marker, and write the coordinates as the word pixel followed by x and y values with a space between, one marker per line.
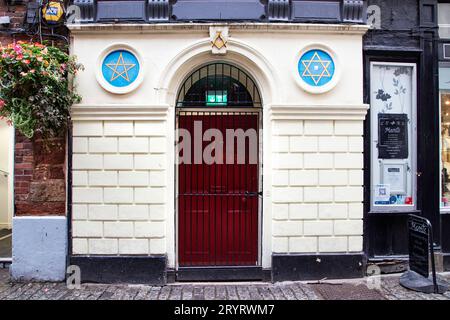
pixel 340 290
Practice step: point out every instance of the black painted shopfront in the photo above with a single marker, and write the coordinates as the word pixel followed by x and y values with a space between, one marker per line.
pixel 405 35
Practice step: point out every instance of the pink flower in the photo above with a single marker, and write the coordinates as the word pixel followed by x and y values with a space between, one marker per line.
pixel 32 71
pixel 23 74
pixel 19 57
pixel 39 59
pixel 26 61
pixel 2 104
pixel 17 48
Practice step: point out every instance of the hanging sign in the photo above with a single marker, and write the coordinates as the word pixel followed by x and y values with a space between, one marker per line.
pixel 392 136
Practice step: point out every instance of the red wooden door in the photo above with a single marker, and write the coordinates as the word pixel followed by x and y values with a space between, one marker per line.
pixel 218 203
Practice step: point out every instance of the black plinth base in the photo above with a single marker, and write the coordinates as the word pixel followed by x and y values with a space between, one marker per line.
pixel 414 281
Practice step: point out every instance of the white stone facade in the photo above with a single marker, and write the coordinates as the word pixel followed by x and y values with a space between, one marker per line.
pixel 317 178
pixel 119 187
pixel 123 162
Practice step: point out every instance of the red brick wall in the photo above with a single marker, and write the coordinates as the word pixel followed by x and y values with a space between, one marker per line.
pixel 39 168
pixel 17 15
pixel 39 176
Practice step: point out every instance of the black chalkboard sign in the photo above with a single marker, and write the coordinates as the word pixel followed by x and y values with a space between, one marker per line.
pixel 419 244
pixel 392 136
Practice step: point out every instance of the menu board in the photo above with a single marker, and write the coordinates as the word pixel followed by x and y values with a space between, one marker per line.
pixel 392 136
pixel 419 245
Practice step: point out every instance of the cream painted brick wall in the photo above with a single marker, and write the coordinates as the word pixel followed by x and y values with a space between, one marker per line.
pixel 120 186
pixel 287 228
pixel 118 128
pixel 280 178
pixel 80 145
pixel 87 161
pixel 102 212
pixel 103 246
pixel 318 127
pixel 303 244
pixel 118 229
pixel 133 246
pixel 87 128
pixel 79 178
pixel 317 183
pixel 303 177
pixel 137 178
pixel 102 178
pixel 133 212
pixel 102 145
pixel 280 245
pixel 157 246
pixel 333 244
pixel 133 145
pixel 79 246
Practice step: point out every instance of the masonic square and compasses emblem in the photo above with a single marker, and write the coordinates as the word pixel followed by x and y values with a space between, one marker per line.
pixel 120 68
pixel 316 68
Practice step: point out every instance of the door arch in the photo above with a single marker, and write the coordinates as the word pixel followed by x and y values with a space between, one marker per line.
pixel 218 115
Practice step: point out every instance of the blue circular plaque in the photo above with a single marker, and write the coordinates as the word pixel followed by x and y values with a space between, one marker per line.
pixel 120 68
pixel 316 68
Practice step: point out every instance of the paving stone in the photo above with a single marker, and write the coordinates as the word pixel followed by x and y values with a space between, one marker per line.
pixel 210 293
pixel 389 289
pixel 154 293
pixel 287 291
pixel 221 293
pixel 175 293
pixel 243 292
pixel 277 293
pixel 298 292
pixel 347 291
pixel 232 293
pixel 143 292
pixel 265 293
pixel 198 293
pixel 309 292
pixel 254 293
pixel 164 293
pixel 187 292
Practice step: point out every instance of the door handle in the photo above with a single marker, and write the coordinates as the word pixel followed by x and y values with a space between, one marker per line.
pixel 250 194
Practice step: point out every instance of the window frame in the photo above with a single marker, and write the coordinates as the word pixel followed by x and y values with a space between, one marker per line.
pixel 374 176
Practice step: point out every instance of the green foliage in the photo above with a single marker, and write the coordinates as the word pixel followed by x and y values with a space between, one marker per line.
pixel 36 91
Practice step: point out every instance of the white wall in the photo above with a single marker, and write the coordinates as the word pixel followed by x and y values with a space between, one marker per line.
pixel 312 143
pixel 6 153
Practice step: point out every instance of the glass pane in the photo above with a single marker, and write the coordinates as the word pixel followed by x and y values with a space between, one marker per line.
pixel 444 20
pixel 393 132
pixel 445 149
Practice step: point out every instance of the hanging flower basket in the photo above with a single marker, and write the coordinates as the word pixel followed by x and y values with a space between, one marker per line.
pixel 36 92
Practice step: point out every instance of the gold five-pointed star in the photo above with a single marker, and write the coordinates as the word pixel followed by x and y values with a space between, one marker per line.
pixel 125 68
pixel 316 74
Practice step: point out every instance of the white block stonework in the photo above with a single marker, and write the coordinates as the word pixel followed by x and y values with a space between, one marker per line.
pixel 118 207
pixel 317 186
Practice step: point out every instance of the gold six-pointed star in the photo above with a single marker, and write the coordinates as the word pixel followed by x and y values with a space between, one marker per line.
pixel 125 67
pixel 317 73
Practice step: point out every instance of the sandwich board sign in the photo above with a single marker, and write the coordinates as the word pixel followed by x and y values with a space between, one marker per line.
pixel 421 253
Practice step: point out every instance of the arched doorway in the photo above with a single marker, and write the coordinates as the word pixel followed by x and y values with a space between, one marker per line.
pixel 218 115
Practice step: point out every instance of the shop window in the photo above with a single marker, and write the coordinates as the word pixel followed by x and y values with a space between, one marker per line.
pixel 444 87
pixel 445 149
pixel 444 20
pixel 393 136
